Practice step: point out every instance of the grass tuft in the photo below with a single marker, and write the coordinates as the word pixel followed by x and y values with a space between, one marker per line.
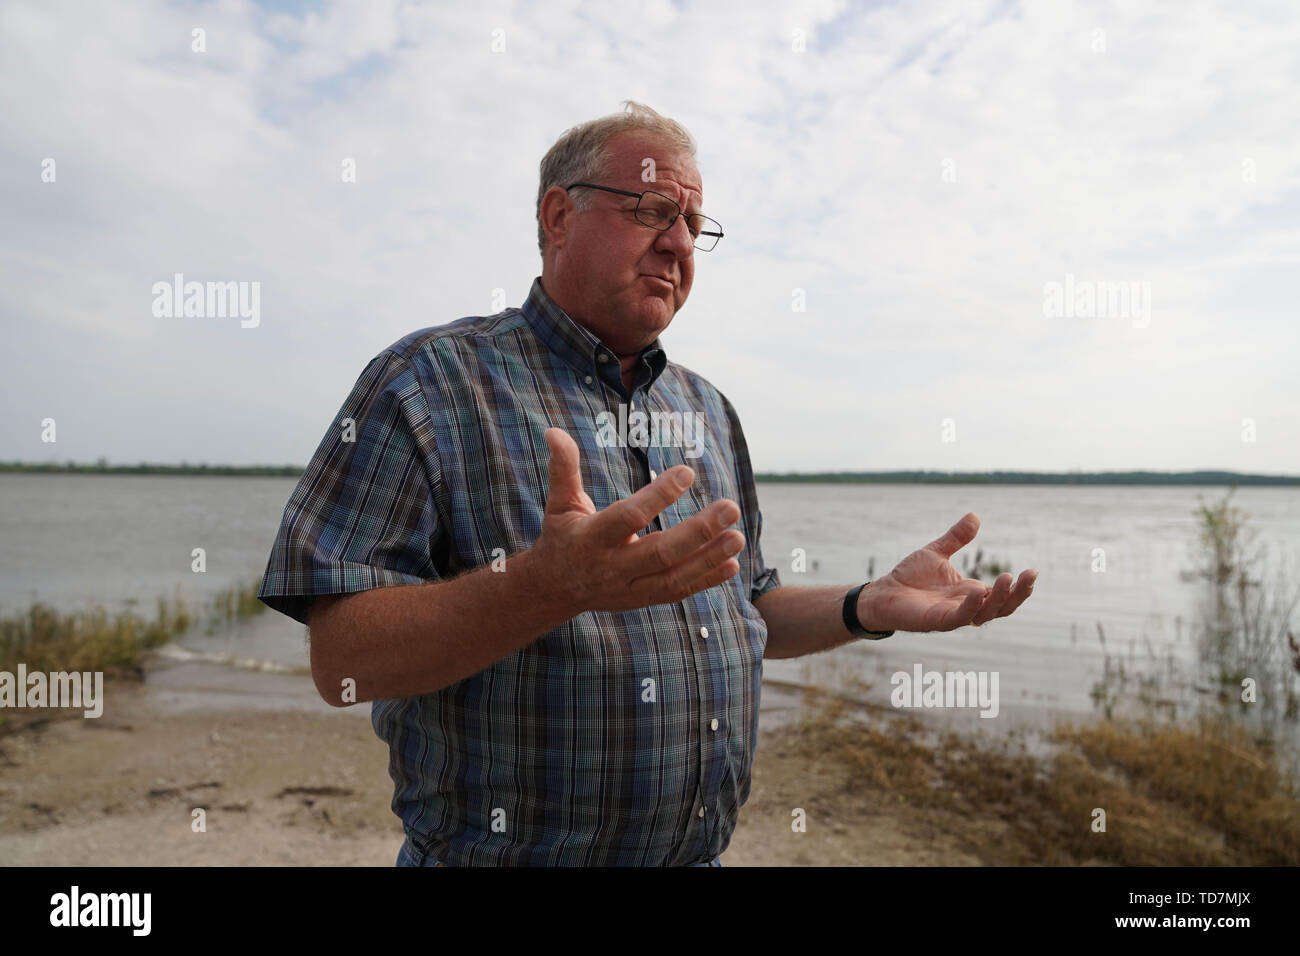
pixel 46 639
pixel 1206 796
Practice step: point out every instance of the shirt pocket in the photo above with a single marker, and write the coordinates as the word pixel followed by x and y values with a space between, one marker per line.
pixel 715 478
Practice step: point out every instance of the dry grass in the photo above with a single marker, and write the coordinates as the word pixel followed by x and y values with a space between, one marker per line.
pixel 238 601
pixel 49 640
pixel 1172 797
pixel 46 639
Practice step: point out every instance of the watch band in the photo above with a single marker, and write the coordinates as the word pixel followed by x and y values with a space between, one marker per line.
pixel 850 613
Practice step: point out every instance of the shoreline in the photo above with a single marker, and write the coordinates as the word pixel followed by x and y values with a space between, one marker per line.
pixel 284 779
pixel 1203 478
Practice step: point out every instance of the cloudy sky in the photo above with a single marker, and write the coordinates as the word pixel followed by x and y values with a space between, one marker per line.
pixel 930 181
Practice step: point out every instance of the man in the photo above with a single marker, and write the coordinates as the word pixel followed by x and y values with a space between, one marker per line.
pixel 560 630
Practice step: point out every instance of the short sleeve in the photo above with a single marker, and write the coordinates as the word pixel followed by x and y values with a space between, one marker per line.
pixel 364 513
pixel 764 579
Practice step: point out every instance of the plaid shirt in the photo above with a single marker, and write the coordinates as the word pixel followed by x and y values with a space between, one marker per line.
pixel 618 738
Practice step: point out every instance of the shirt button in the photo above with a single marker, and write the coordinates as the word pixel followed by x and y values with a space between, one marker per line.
pixel 701 811
pixel 603 357
pixel 653 474
pixel 704 632
pixel 587 379
pixel 713 724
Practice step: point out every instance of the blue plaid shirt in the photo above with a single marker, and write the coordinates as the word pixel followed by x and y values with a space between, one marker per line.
pixel 618 738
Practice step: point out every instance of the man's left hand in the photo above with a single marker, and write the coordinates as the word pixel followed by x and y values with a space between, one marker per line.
pixel 926 593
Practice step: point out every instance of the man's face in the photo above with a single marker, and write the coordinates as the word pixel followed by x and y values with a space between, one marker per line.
pixel 621 279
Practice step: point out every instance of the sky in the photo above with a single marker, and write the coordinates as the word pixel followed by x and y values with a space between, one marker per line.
pixel 959 236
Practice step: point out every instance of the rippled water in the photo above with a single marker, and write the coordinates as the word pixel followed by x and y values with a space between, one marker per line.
pixel 72 540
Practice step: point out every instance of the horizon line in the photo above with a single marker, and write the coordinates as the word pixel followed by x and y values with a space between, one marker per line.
pixel 1216 476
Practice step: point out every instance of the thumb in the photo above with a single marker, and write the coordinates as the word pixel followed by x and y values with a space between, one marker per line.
pixel 958 536
pixel 565 478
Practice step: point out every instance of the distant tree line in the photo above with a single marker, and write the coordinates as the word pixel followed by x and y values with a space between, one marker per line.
pixel 102 467
pixel 1029 478
pixel 817 477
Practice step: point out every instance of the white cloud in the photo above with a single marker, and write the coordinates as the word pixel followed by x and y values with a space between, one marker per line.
pixel 1167 158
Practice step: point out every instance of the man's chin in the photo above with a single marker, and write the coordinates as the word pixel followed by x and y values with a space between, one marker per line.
pixel 642 324
pixel 657 311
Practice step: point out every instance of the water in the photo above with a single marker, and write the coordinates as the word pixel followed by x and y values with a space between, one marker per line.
pixel 1047 653
pixel 76 540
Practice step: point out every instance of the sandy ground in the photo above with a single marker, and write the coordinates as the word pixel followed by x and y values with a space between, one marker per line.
pixel 286 780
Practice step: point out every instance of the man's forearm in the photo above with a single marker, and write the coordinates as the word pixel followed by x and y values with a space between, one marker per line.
pixel 804 620
pixel 403 641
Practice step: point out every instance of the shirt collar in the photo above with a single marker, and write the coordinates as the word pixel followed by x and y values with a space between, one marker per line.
pixel 580 348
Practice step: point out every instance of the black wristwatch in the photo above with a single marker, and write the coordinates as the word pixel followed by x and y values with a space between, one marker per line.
pixel 851 616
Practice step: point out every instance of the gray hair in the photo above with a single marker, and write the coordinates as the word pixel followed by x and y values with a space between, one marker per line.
pixel 579 155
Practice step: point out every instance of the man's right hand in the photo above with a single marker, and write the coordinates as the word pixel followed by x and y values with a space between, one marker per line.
pixel 598 560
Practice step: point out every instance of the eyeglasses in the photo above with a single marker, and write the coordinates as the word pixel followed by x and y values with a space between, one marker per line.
pixel 659 212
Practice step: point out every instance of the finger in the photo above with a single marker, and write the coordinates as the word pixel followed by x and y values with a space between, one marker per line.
pixel 696 566
pixel 995 600
pixel 1024 587
pixel 958 536
pixel 727 569
pixel 629 515
pixel 565 478
pixel 664 549
pixel 966 611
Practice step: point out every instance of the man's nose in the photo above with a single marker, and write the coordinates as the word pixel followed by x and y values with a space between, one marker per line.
pixel 676 239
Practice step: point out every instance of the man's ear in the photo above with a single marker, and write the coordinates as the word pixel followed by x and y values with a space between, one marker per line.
pixel 556 213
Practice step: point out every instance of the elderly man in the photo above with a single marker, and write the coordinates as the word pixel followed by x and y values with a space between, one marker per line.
pixel 560 629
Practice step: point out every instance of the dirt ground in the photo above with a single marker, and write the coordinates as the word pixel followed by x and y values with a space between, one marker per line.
pixel 285 780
